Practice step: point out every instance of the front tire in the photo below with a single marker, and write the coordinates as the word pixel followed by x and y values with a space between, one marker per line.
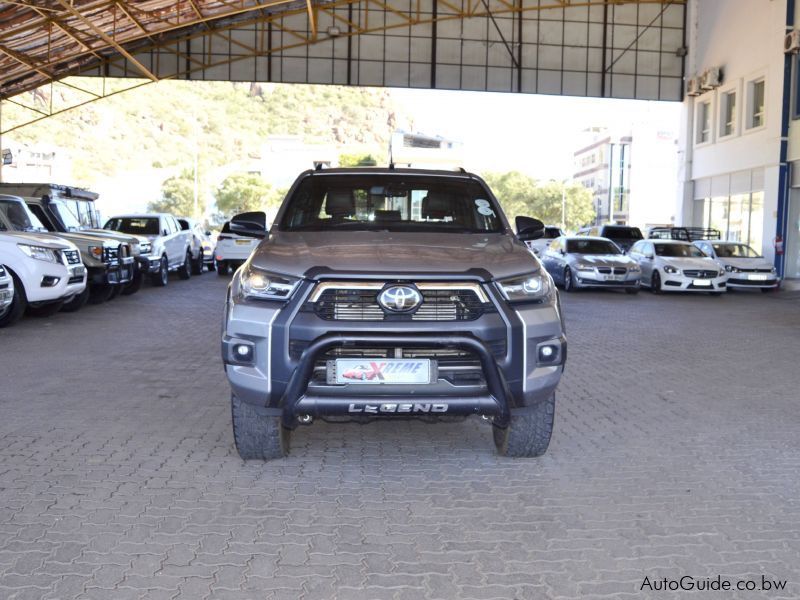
pixel 655 282
pixel 78 301
pixel 529 433
pixel 101 293
pixel 185 272
pixel 135 284
pixel 197 265
pixel 161 278
pixel 44 310
pixel 569 284
pixel 258 436
pixel 222 268
pixel 14 311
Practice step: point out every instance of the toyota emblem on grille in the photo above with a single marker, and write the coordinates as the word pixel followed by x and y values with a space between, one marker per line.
pixel 400 298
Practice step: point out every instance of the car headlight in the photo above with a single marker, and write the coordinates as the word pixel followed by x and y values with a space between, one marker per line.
pixel 774 271
pixel 527 288
pixel 39 253
pixel 634 268
pixel 145 247
pixel 96 252
pixel 732 269
pixel 582 267
pixel 721 273
pixel 670 269
pixel 262 285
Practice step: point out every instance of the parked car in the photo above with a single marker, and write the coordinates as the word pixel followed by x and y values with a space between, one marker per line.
pixel 67 209
pixel 676 266
pixel 539 246
pixel 46 272
pixel 232 249
pixel 623 236
pixel 590 262
pixel 745 267
pixel 202 249
pixel 100 256
pixel 170 246
pixel 414 276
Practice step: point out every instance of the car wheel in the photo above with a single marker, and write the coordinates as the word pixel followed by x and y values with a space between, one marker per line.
pixel 655 282
pixel 134 285
pixel 44 310
pixel 569 284
pixel 116 290
pixel 529 432
pixel 197 265
pixel 222 268
pixel 77 302
pixel 258 436
pixel 211 266
pixel 14 311
pixel 186 268
pixel 100 293
pixel 161 278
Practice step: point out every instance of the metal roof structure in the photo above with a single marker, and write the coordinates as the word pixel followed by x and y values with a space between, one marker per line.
pixel 603 48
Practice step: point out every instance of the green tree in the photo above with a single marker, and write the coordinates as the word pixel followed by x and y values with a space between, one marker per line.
pixel 177 196
pixel 357 160
pixel 243 192
pixel 520 194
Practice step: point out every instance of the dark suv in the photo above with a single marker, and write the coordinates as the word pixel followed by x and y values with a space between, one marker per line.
pixel 388 293
pixel 623 236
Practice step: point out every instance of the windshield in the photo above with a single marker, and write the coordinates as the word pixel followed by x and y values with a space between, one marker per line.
pixel 678 251
pixel 66 216
pixel 17 215
pixel 134 225
pixel 592 247
pixel 622 233
pixel 391 203
pixel 735 251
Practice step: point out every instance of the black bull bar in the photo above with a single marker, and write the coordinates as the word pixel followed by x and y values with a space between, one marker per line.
pixel 298 401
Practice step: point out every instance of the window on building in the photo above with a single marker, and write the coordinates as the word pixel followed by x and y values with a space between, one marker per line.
pixel 703 123
pixel 755 93
pixel 728 114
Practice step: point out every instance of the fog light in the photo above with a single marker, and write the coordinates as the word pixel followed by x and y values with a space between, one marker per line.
pixel 548 354
pixel 50 281
pixel 243 352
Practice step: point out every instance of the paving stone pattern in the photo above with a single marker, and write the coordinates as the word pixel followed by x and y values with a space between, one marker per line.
pixel 676 452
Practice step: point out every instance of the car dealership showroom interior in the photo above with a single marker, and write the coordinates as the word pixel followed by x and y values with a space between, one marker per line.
pixel 399 299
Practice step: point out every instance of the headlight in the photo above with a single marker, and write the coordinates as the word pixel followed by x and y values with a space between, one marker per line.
pixel 670 269
pixel 96 252
pixel 774 271
pixel 39 253
pixel 732 269
pixel 721 272
pixel 261 285
pixel 581 267
pixel 634 268
pixel 526 288
pixel 145 247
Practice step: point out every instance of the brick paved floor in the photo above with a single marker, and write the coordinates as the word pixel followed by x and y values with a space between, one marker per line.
pixel 676 451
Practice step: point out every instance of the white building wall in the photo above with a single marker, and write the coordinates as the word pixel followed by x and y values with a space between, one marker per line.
pixel 745 39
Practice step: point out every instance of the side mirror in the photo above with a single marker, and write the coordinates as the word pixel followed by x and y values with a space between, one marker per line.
pixel 165 232
pixel 250 224
pixel 208 233
pixel 529 229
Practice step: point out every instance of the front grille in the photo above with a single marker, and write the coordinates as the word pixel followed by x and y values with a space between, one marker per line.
pixel 75 279
pixel 612 270
pixel 701 274
pixel 447 304
pixel 764 270
pixel 111 256
pixel 73 257
pixel 498 348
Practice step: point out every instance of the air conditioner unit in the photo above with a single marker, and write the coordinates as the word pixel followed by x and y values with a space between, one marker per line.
pixel 791 43
pixel 711 79
pixel 693 87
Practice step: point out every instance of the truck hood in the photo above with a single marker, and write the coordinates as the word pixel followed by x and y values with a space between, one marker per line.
pixel 125 238
pixel 86 239
pixel 383 253
pixel 41 239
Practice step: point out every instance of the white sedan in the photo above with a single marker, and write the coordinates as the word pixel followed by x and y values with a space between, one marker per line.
pixel 675 266
pixel 746 268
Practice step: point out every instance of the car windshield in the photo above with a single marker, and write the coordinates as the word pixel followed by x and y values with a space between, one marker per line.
pixel 592 247
pixel 391 203
pixel 66 216
pixel 18 216
pixel 134 225
pixel 678 251
pixel 622 233
pixel 735 251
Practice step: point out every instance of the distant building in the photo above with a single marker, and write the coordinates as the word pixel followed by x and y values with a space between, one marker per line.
pixel 425 151
pixel 39 163
pixel 631 175
pixel 284 157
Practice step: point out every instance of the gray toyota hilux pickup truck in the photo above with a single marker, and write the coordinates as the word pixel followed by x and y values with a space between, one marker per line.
pixel 391 293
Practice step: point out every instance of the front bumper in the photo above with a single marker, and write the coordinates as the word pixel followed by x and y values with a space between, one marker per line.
pixel 149 264
pixel 286 346
pixel 114 274
pixel 586 279
pixel 745 280
pixel 680 283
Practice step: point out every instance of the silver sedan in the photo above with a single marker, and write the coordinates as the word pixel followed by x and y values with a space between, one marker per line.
pixel 590 262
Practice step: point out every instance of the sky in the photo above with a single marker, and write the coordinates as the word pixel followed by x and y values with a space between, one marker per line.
pixel 533 134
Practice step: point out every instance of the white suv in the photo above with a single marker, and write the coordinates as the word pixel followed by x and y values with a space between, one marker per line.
pixel 232 249
pixel 46 273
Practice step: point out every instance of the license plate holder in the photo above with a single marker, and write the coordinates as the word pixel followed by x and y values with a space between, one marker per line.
pixel 757 277
pixel 377 371
pixel 702 282
pixel 242 242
